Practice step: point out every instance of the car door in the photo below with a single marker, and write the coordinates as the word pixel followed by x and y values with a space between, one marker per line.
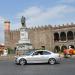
pixel 34 58
pixel 40 57
pixel 45 56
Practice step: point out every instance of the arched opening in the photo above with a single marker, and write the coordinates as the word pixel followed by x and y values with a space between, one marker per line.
pixel 72 46
pixel 74 34
pixel 56 49
pixel 70 35
pixel 63 47
pixel 63 36
pixel 56 37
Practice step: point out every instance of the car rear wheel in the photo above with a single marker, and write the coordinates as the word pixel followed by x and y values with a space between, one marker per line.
pixel 22 61
pixel 52 61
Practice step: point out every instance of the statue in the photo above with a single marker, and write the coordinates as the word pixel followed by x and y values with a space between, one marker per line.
pixel 23 21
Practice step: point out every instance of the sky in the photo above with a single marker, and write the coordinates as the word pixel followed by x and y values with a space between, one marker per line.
pixel 36 12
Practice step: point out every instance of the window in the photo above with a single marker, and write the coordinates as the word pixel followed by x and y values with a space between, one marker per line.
pixel 38 53
pixel 56 36
pixel 63 36
pixel 46 53
pixel 35 53
pixel 70 35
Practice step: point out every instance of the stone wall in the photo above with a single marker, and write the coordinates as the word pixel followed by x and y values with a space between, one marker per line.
pixel 42 36
pixel 39 37
pixel 65 29
pixel 11 38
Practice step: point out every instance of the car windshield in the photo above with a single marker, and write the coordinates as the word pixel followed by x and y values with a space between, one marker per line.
pixel 28 52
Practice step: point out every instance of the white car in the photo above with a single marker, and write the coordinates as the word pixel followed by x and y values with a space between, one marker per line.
pixel 38 56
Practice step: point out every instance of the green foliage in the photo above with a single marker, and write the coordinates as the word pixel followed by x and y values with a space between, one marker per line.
pixel 10 51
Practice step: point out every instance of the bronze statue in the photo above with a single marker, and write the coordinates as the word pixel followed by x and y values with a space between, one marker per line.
pixel 23 21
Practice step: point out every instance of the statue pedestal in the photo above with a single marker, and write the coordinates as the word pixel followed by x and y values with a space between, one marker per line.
pixel 24 42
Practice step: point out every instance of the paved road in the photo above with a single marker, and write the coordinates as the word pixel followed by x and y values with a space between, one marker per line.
pixel 67 67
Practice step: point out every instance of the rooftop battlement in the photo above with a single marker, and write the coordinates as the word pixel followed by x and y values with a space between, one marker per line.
pixel 44 27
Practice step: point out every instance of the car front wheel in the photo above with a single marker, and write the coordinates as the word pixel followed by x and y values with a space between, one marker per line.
pixel 22 61
pixel 51 61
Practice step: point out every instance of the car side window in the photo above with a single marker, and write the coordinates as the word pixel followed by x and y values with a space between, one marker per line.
pixel 35 53
pixel 46 53
pixel 38 53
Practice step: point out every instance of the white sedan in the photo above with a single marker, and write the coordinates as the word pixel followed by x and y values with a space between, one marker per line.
pixel 38 56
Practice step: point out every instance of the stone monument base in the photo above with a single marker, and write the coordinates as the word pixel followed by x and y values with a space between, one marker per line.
pixel 18 52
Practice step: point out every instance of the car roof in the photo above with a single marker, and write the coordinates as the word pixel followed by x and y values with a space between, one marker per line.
pixel 43 50
pixel 39 50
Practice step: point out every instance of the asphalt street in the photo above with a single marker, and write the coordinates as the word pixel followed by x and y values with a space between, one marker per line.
pixel 66 67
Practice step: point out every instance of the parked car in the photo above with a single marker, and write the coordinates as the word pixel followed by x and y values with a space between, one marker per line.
pixel 38 56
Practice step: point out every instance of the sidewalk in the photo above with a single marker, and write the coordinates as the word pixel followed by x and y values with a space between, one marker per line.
pixel 61 55
pixel 8 57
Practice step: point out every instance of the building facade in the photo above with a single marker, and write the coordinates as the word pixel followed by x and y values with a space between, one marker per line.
pixel 52 38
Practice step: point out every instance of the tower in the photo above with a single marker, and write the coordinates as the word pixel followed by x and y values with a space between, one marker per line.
pixel 7 26
pixel 7 32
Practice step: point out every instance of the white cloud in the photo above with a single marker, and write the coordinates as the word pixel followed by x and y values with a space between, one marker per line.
pixel 2 20
pixel 39 16
pixel 2 29
pixel 30 12
pixel 2 23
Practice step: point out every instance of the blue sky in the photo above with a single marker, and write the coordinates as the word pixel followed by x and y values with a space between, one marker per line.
pixel 37 12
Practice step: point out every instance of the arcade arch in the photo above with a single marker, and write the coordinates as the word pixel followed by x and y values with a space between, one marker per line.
pixel 63 47
pixel 70 35
pixel 72 46
pixel 56 36
pixel 63 36
pixel 56 49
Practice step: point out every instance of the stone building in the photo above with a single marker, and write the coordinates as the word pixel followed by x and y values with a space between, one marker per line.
pixel 52 38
